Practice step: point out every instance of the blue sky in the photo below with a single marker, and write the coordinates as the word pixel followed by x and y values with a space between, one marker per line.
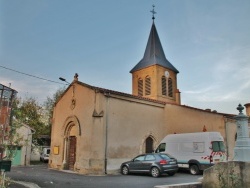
pixel 206 40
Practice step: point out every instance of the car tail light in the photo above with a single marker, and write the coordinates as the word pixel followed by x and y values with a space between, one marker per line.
pixel 162 162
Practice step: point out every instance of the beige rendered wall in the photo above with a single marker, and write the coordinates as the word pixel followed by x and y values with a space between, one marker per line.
pixel 183 119
pixel 129 124
pixel 89 133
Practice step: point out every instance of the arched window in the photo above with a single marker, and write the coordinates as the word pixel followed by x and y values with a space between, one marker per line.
pixel 170 87
pixel 140 87
pixel 163 85
pixel 149 146
pixel 147 86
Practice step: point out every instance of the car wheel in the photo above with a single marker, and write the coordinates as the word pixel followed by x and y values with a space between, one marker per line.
pixel 155 172
pixel 171 173
pixel 194 169
pixel 125 170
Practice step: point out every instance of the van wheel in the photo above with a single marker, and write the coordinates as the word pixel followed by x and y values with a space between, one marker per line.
pixel 155 172
pixel 194 169
pixel 125 170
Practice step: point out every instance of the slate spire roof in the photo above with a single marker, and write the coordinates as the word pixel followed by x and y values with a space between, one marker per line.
pixel 154 54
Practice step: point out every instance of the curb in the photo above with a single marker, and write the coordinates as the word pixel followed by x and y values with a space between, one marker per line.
pixel 183 185
pixel 27 184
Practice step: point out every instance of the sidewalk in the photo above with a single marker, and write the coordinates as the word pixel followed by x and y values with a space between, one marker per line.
pixel 21 184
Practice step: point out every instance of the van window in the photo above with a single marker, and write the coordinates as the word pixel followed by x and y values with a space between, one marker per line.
pixel 198 147
pixel 218 146
pixel 48 151
pixel 161 148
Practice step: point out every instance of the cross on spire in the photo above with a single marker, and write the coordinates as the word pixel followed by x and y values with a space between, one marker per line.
pixel 153 12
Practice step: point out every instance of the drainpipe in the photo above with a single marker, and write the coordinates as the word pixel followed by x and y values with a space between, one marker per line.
pixel 226 128
pixel 106 132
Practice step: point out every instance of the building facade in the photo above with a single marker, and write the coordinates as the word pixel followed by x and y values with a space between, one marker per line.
pixel 95 129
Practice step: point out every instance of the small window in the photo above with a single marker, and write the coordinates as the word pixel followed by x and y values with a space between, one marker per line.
pixel 147 86
pixel 140 87
pixel 149 158
pixel 198 147
pixel 163 85
pixel 170 87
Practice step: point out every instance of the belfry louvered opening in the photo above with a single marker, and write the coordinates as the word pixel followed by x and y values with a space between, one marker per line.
pixel 147 86
pixel 140 87
pixel 170 87
pixel 164 85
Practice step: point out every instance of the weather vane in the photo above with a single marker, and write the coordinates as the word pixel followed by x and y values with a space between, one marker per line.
pixel 153 12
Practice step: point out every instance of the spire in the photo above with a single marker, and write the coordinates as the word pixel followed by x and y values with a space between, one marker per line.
pixel 154 54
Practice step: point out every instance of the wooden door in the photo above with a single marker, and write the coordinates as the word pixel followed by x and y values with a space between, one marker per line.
pixel 149 145
pixel 72 152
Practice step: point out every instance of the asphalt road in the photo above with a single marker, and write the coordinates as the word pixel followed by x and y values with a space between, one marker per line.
pixel 44 177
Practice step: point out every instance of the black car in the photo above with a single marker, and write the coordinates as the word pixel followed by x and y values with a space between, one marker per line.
pixel 153 163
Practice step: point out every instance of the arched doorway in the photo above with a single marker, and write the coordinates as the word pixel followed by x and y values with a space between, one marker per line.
pixel 149 145
pixel 71 132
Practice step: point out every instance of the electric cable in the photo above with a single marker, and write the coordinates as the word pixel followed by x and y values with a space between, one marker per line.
pixel 26 74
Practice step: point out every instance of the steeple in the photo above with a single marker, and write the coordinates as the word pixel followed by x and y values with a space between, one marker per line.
pixel 154 54
pixel 154 76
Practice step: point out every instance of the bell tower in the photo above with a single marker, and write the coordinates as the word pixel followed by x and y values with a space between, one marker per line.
pixel 154 76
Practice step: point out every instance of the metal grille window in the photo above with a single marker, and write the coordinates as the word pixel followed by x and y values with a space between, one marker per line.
pixel 140 87
pixel 147 86
pixel 163 85
pixel 170 87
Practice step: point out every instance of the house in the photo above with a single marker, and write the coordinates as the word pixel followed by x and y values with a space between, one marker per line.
pixel 95 129
pixel 7 95
pixel 22 145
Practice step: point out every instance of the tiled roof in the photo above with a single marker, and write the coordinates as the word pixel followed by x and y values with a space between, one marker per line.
pixel 154 54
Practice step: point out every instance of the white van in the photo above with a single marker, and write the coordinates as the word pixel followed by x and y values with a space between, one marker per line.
pixel 44 156
pixel 194 151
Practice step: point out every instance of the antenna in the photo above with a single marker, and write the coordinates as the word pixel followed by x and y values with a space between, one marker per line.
pixel 153 12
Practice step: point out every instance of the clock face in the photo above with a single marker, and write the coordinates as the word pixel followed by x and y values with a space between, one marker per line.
pixel 166 73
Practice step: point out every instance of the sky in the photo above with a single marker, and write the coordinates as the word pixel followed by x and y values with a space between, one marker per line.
pixel 208 41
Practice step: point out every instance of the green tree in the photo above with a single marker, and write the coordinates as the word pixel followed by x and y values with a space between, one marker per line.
pixel 29 112
pixel 38 117
pixel 50 103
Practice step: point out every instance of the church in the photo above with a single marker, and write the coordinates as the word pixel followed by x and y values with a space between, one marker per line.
pixel 95 129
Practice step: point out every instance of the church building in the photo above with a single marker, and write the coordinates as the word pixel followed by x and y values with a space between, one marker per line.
pixel 95 129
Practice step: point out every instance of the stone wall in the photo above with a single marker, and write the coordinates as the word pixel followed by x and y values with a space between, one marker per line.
pixel 227 175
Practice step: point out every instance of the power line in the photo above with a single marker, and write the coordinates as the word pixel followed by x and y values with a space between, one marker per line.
pixel 30 75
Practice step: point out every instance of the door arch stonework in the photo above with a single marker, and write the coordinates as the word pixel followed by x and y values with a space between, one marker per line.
pixel 71 130
pixel 143 143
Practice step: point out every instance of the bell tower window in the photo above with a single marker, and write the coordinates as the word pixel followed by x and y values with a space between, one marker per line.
pixel 163 85
pixel 140 87
pixel 147 86
pixel 170 87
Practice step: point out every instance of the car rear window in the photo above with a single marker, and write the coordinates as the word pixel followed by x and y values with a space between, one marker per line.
pixel 164 156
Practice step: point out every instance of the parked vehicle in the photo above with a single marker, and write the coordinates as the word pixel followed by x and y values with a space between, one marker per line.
pixel 152 163
pixel 44 156
pixel 194 151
